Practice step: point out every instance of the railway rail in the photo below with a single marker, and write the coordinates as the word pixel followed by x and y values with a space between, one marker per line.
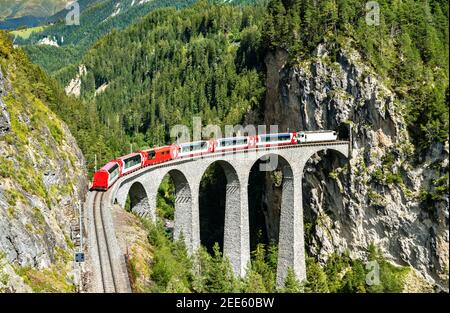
pixel 108 282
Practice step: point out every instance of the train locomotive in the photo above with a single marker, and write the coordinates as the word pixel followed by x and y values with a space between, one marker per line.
pixel 106 177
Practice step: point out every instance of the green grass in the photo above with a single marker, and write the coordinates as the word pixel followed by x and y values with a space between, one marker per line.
pixel 26 33
pixel 10 212
pixel 38 216
pixel 53 279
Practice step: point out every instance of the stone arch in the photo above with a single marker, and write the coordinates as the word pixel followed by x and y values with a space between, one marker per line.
pixel 341 151
pixel 232 191
pixel 139 202
pixel 289 245
pixel 233 224
pixel 183 205
pixel 281 174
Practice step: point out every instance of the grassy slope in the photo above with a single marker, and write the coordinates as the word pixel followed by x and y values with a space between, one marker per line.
pixel 25 33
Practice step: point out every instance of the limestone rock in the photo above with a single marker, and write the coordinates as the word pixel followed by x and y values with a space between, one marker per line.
pixel 42 180
pixel 353 199
pixel 5 122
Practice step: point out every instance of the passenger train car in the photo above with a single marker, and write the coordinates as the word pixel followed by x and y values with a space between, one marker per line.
pixel 159 155
pixel 191 149
pixel 112 171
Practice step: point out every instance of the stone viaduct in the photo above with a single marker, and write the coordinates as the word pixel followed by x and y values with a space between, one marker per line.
pixel 142 187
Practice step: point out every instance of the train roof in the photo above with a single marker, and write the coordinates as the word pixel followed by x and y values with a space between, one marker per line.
pixel 192 143
pixel 232 138
pixel 316 131
pixel 157 148
pixel 108 166
pixel 129 156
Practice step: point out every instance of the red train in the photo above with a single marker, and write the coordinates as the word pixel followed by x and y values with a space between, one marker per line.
pixel 108 174
pixel 113 170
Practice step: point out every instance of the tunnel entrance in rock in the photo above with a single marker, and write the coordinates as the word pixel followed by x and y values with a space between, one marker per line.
pixel 212 201
pixel 325 176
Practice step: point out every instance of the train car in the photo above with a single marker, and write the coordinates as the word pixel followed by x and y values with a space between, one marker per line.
pixel 106 176
pixel 190 149
pixel 316 136
pixel 159 155
pixel 232 143
pixel 281 139
pixel 130 163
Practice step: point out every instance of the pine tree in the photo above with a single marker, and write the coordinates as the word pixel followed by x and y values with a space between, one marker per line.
pixel 291 283
pixel 219 275
pixel 316 277
pixel 254 283
pixel 260 266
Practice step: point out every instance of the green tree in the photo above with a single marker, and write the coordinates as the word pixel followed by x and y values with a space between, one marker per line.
pixel 291 283
pixel 316 277
pixel 219 274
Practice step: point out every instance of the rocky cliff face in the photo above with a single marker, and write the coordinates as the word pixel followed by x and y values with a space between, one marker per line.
pixel 42 180
pixel 375 197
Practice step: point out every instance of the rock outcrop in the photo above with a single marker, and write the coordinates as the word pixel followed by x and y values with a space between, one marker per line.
pixel 42 182
pixel 375 197
pixel 5 122
pixel 74 86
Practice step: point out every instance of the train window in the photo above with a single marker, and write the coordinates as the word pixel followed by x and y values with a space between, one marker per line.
pixel 198 146
pixel 275 137
pixel 264 138
pixel 113 172
pixel 151 154
pixel 185 148
pixel 113 168
pixel 132 161
pixel 284 137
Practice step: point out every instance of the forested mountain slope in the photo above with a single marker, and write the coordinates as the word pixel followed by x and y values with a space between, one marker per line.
pixel 42 179
pixel 96 21
pixel 173 65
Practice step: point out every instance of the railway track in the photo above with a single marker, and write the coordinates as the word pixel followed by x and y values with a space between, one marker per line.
pixel 108 278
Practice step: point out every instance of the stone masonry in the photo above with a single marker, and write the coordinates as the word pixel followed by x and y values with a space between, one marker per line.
pixel 142 186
